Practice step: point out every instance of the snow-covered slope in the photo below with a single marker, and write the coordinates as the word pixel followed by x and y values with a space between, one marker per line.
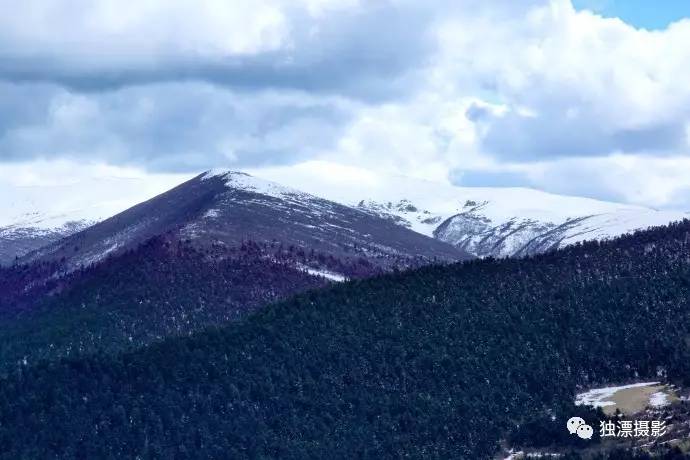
pixel 33 216
pixel 484 221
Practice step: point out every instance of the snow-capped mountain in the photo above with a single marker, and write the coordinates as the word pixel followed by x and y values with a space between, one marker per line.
pixel 511 221
pixel 33 216
pixel 19 239
pixel 229 208
pixel 483 221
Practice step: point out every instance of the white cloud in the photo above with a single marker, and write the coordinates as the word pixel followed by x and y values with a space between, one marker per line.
pixel 423 137
pixel 65 172
pixel 109 31
pixel 574 83
pixel 528 92
pixel 638 179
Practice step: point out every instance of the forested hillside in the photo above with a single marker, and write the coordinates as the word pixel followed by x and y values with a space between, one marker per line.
pixel 441 362
pixel 159 289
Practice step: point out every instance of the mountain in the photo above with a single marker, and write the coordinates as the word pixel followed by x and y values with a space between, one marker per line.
pixel 34 216
pixel 440 362
pixel 483 221
pixel 20 238
pixel 209 251
pixel 226 208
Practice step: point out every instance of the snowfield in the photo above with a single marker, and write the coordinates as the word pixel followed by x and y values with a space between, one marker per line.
pixel 243 181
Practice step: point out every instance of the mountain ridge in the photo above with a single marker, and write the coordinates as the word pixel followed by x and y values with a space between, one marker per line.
pixel 228 207
pixel 483 221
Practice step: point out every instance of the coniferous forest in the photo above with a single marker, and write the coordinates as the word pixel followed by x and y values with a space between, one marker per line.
pixel 162 288
pixel 438 362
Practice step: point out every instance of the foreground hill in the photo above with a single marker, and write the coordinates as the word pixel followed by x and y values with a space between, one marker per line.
pixel 442 362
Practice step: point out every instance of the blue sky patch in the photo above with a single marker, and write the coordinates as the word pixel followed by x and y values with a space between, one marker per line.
pixel 648 14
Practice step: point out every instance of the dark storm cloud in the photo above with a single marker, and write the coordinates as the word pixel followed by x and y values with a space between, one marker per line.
pixel 372 50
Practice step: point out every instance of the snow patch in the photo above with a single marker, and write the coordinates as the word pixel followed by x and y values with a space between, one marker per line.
pixel 515 455
pixel 91 259
pixel 212 213
pixel 659 399
pixel 520 455
pixel 218 172
pixel 337 277
pixel 597 397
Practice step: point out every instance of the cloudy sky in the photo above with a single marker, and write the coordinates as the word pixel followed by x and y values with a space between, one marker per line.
pixel 589 97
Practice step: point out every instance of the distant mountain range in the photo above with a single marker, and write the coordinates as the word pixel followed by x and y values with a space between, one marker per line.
pixel 479 221
pixel 517 222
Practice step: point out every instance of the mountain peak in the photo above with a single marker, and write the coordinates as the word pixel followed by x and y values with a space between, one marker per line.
pixel 222 172
pixel 242 181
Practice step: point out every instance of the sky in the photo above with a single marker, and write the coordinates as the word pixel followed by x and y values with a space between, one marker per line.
pixel 587 98
pixel 648 14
